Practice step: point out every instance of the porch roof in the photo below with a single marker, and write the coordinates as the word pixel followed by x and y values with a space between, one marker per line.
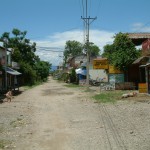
pixel 12 72
pixel 142 60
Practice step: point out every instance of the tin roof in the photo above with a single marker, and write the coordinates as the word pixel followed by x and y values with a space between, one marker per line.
pixel 12 72
pixel 142 60
pixel 138 38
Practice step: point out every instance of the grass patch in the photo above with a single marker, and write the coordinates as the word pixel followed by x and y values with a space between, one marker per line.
pixel 1 129
pixel 4 143
pixel 108 97
pixel 17 123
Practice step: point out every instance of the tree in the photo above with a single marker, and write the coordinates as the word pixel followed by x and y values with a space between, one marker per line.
pixel 24 54
pixel 122 52
pixel 94 50
pixel 42 68
pixel 72 48
pixel 108 50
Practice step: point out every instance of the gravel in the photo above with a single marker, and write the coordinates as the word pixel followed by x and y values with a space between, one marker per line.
pixel 52 116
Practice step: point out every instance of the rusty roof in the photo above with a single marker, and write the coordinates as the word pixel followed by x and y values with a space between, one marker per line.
pixel 142 60
pixel 138 38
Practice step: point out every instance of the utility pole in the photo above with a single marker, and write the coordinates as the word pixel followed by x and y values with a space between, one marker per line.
pixel 88 21
pixel 5 46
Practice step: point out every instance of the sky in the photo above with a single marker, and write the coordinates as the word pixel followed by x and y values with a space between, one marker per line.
pixel 50 23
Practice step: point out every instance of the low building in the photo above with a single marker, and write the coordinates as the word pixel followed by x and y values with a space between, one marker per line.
pixel 8 76
pixel 141 66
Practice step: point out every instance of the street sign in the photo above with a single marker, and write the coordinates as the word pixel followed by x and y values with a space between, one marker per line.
pixel 100 64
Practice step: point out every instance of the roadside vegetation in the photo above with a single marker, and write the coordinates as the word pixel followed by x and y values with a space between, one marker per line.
pixel 109 96
pixel 122 53
pixel 23 52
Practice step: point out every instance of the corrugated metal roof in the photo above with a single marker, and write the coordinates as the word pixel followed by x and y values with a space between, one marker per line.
pixel 139 35
pixel 12 72
pixel 143 59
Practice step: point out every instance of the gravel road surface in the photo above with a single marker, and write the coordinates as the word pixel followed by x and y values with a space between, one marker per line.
pixel 52 116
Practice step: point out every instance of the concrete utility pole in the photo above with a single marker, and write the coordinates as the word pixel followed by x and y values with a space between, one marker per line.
pixel 5 43
pixel 88 21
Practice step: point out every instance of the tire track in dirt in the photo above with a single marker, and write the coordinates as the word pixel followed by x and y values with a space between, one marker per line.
pixel 114 138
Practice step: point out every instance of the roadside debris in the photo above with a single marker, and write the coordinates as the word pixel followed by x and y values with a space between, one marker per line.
pixel 132 94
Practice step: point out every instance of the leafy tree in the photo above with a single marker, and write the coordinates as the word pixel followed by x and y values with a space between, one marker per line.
pixel 94 50
pixel 108 50
pixel 42 68
pixel 72 48
pixel 122 52
pixel 24 54
pixel 28 73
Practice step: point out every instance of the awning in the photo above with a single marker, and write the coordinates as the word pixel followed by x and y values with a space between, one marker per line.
pixel 146 65
pixel 12 72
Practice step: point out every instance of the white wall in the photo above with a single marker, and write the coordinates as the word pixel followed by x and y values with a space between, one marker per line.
pixel 98 74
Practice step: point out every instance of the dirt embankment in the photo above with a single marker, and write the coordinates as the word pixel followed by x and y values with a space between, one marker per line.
pixel 54 117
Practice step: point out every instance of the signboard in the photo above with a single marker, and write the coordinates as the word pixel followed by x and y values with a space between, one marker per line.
pixel 117 78
pixel 100 64
pixel 114 70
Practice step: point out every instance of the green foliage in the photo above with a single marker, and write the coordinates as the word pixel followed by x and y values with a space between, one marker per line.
pixel 75 48
pixel 94 50
pixel 122 52
pixel 108 97
pixel 108 51
pixel 2 144
pixel 66 77
pixel 72 48
pixel 42 69
pixel 29 75
pixel 73 76
pixel 24 53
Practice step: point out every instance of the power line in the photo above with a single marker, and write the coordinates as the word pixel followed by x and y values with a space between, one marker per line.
pixel 99 5
pixel 51 49
pixel 83 7
pixel 90 5
pixel 48 47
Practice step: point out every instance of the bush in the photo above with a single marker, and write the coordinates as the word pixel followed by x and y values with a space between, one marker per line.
pixel 73 76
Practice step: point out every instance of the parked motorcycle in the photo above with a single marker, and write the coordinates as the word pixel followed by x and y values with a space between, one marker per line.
pixel 94 82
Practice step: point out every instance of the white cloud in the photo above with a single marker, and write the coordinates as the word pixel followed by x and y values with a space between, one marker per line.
pixel 140 27
pixel 57 42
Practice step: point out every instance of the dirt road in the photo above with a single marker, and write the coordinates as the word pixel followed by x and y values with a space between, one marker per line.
pixel 54 117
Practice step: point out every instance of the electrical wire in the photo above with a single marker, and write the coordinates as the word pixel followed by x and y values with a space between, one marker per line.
pixel 83 7
pixel 49 47
pixel 90 5
pixel 99 5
